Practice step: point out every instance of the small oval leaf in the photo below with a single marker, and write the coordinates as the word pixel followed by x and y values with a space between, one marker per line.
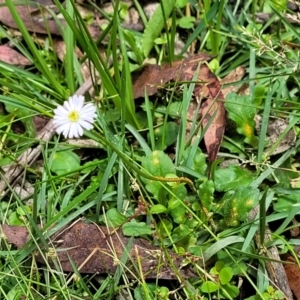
pixel 209 287
pixel 225 275
pixel 157 209
pixel 136 229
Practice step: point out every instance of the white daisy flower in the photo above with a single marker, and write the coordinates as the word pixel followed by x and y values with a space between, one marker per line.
pixel 73 116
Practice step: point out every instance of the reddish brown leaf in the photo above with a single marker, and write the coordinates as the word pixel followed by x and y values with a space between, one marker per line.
pixel 12 57
pixel 293 274
pixel 36 18
pixel 96 249
pixel 32 17
pixel 212 111
pixel 154 77
pixel 232 81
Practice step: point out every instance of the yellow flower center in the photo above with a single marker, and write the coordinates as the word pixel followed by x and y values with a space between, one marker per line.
pixel 73 116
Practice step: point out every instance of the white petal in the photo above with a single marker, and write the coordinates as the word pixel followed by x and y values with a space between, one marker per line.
pixel 60 119
pixel 85 125
pixel 75 130
pixel 79 130
pixel 59 122
pixel 78 102
pixel 72 103
pixel 72 131
pixel 88 109
pixel 60 111
pixel 67 106
pixel 66 132
pixel 88 118
pixel 60 129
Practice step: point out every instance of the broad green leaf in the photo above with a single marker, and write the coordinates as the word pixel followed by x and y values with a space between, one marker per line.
pixel 232 290
pixel 21 212
pixel 65 162
pixel 259 94
pixel 94 164
pixel 240 109
pixel 165 135
pixel 225 275
pixel 179 214
pixel 115 218
pixel 183 236
pixel 180 194
pixel 284 203
pixel 209 287
pixel 157 209
pixel 18 217
pixel 139 291
pixel 235 145
pixel 14 220
pixel 165 227
pixel 196 250
pixel 214 65
pixel 163 293
pixel 180 232
pixel 278 5
pixel 206 192
pixel 219 265
pixel 7 119
pixel 195 161
pixel 157 164
pixel 192 222
pixel 161 40
pixel 174 110
pixel 15 293
pixel 186 22
pixel 181 3
pixel 232 177
pixel 238 206
pixel 136 229
pixel 156 24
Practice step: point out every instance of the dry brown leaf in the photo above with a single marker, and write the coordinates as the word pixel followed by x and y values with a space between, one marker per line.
pixel 32 16
pixel 212 110
pixel 231 81
pixel 12 57
pixel 37 19
pixel 276 126
pixel 95 249
pixel 293 274
pixel 154 77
